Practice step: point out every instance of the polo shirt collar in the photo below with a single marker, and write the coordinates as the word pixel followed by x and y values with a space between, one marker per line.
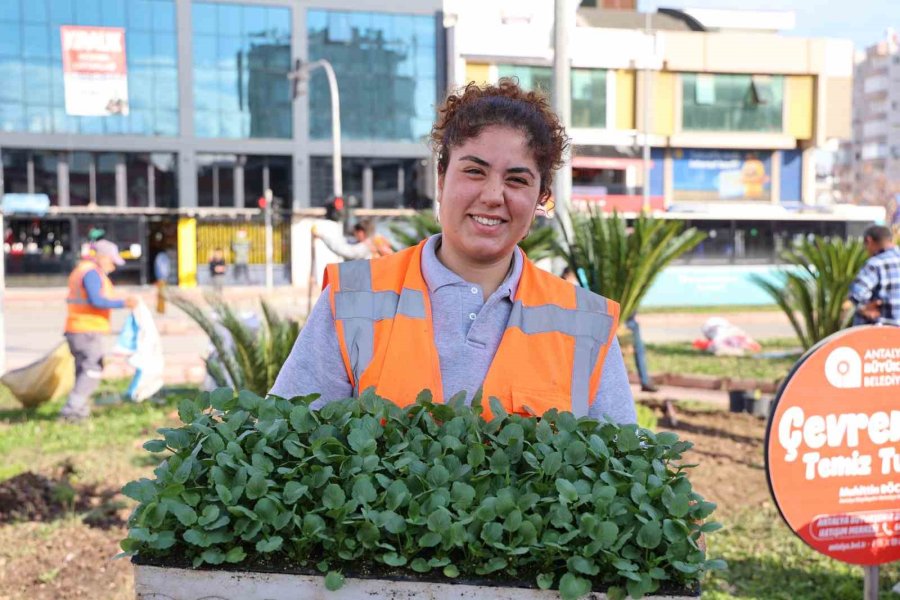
pixel 437 275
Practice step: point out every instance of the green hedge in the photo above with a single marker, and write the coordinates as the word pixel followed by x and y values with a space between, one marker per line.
pixel 363 486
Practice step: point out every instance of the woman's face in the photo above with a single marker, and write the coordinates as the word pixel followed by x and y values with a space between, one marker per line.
pixel 488 196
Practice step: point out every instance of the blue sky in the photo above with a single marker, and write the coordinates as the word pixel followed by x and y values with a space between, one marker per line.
pixel 862 21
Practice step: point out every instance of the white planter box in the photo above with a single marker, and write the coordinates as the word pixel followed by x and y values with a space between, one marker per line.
pixel 158 583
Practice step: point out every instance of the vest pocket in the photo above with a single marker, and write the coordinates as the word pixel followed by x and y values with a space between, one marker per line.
pixel 534 403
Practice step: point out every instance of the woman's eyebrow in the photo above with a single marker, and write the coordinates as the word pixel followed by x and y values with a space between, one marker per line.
pixel 484 163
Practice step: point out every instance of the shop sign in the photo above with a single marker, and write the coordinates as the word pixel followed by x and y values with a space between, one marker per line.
pixel 31 204
pixel 94 70
pixel 833 447
pixel 710 175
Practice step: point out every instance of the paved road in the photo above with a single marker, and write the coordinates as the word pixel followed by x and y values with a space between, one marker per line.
pixel 35 316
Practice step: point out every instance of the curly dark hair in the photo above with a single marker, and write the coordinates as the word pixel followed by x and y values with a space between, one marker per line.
pixel 465 113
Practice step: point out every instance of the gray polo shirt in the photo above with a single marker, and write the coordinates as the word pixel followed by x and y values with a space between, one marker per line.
pixel 467 332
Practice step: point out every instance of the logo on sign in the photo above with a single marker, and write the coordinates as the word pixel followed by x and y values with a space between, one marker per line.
pixel 843 368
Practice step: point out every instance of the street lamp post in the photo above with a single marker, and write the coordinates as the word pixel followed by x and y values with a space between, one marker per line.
pixel 563 24
pixel 300 76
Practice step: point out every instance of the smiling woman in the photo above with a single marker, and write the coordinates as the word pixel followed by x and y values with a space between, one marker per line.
pixel 465 311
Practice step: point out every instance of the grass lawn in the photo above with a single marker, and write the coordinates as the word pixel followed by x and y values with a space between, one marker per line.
pixel 684 359
pixel 768 562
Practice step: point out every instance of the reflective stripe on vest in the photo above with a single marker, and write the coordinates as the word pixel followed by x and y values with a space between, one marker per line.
pixel 358 306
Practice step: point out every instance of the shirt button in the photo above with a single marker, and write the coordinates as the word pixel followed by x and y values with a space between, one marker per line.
pixel 471 316
pixel 474 290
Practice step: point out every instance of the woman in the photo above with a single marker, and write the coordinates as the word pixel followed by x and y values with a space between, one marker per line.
pixel 466 309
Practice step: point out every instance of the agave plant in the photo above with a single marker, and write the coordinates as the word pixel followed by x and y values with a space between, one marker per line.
pixel 539 244
pixel 245 357
pixel 619 261
pixel 812 291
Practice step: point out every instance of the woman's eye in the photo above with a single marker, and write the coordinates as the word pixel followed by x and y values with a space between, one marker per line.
pixel 519 180
pixel 474 171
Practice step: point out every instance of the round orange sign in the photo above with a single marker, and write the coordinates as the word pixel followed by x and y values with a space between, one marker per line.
pixel 833 446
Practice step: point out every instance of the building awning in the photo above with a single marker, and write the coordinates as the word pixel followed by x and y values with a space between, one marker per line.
pixel 604 162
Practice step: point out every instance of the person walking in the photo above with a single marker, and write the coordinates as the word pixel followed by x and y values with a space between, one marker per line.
pixel 162 268
pixel 217 270
pixel 875 293
pixel 368 244
pixel 465 310
pixel 240 251
pixel 90 299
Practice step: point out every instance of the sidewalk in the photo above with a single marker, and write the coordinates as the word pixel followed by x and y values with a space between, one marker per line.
pixel 35 317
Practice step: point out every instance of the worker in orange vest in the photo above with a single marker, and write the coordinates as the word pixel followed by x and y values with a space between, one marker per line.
pixel 465 310
pixel 91 298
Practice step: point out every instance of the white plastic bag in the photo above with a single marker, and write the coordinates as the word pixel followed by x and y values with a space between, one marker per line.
pixel 725 339
pixel 140 340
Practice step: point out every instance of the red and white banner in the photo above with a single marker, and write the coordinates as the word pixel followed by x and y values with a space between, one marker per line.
pixel 833 446
pixel 94 70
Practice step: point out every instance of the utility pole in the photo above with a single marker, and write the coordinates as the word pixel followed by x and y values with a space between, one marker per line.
pixel 270 251
pixel 300 76
pixel 645 109
pixel 563 23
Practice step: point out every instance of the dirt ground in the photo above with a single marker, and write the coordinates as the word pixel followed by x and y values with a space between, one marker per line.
pixel 58 537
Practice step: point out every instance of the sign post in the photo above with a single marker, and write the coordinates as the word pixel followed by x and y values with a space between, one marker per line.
pixel 833 449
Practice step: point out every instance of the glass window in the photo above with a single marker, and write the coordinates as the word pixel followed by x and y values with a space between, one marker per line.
pixel 33 97
pixel 717 102
pixel 271 171
pixel 588 98
pixel 717 248
pixel 215 179
pixel 137 189
pixel 15 171
pixel 46 179
pixel 165 181
pixel 588 90
pixel 386 74
pixel 106 178
pixel 79 178
pixel 241 59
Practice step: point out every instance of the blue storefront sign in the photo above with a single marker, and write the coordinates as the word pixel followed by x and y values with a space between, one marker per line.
pixel 31 204
pixel 709 285
pixel 710 175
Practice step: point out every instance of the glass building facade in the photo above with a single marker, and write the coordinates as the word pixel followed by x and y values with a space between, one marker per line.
pixel 588 90
pixel 718 102
pixel 386 67
pixel 32 97
pixel 242 55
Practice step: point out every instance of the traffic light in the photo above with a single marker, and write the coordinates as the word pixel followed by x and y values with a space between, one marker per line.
pixel 262 203
pixel 334 210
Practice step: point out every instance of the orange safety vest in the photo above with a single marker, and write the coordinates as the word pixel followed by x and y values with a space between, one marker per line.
pixel 550 356
pixel 84 317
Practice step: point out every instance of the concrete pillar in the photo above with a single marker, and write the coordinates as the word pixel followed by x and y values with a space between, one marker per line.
pixel 808 170
pixel 368 191
pixel 775 183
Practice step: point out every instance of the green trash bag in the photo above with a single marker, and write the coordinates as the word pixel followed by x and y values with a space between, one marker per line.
pixel 45 379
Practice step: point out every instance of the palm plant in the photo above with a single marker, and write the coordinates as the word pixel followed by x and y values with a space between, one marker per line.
pixel 619 261
pixel 539 244
pixel 245 357
pixel 812 291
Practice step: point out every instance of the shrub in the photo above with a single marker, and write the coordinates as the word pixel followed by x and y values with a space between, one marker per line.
pixel 812 290
pixel 621 260
pixel 245 357
pixel 362 485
